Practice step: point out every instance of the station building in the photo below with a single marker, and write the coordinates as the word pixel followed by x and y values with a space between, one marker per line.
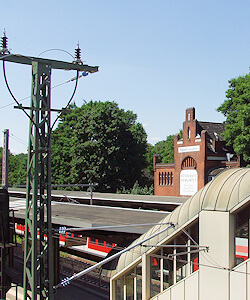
pixel 199 156
pixel 198 252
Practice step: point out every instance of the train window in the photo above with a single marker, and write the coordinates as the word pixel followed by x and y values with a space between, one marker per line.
pixel 242 235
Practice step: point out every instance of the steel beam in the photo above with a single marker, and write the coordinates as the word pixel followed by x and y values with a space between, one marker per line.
pixel 55 64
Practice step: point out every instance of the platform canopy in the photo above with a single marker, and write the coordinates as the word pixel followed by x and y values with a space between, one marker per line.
pixel 226 192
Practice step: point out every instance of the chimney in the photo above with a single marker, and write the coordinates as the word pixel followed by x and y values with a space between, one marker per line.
pixel 190 114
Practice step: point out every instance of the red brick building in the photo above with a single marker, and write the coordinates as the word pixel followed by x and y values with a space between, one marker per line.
pixel 199 156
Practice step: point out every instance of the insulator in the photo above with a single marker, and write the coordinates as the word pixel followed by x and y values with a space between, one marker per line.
pixel 4 43
pixel 78 54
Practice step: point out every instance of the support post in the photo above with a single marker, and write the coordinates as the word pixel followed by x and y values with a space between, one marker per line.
pixel 146 269
pixel 39 277
pixel 5 160
pixel 38 253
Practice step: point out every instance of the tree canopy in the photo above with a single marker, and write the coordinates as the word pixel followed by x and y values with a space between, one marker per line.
pixel 17 168
pixel 99 142
pixel 236 109
pixel 165 150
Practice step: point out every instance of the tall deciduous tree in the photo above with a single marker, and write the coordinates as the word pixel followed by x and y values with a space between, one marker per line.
pixel 99 142
pixel 165 150
pixel 17 168
pixel 236 109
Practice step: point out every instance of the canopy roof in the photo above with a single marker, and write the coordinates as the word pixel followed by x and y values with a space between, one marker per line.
pixel 225 192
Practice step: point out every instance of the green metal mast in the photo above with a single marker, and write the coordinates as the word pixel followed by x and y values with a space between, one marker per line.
pixel 38 255
pixel 38 201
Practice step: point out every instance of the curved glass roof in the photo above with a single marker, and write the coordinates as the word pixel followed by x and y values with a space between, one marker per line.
pixel 226 191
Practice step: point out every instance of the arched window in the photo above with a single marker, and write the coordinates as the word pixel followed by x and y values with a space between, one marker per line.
pixel 159 178
pixel 168 178
pixel 189 162
pixel 165 178
pixel 171 178
pixel 189 133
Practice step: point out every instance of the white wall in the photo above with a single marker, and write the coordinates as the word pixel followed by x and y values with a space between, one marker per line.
pixel 240 282
pixel 186 289
pixel 216 232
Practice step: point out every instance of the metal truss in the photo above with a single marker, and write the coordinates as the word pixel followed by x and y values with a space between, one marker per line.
pixel 38 264
pixel 38 256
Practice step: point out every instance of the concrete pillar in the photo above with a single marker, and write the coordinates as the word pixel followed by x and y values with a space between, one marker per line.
pixel 216 230
pixel 145 277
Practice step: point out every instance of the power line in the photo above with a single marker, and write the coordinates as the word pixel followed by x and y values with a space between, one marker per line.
pixel 55 86
pixel 18 139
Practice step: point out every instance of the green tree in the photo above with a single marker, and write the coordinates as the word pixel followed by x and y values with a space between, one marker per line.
pixel 17 168
pixel 99 142
pixel 149 158
pixel 236 109
pixel 165 149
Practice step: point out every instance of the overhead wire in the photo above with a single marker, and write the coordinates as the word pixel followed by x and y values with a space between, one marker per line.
pixel 20 106
pixel 74 91
pixel 71 98
pixel 14 98
pixel 17 139
pixel 55 49
pixel 55 86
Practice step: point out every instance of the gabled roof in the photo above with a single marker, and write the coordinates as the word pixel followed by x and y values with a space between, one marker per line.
pixel 214 130
pixel 215 133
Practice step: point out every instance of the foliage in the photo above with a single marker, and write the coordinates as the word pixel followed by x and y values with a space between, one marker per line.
pixel 100 143
pixel 17 168
pixel 165 150
pixel 19 239
pixel 236 109
pixel 138 190
pixel 149 158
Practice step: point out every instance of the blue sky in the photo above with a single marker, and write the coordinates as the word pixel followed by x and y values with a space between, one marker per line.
pixel 156 58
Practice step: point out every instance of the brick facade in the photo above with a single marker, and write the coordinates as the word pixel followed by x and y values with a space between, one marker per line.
pixel 199 156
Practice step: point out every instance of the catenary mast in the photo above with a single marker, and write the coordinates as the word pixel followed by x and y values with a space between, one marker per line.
pixel 38 255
